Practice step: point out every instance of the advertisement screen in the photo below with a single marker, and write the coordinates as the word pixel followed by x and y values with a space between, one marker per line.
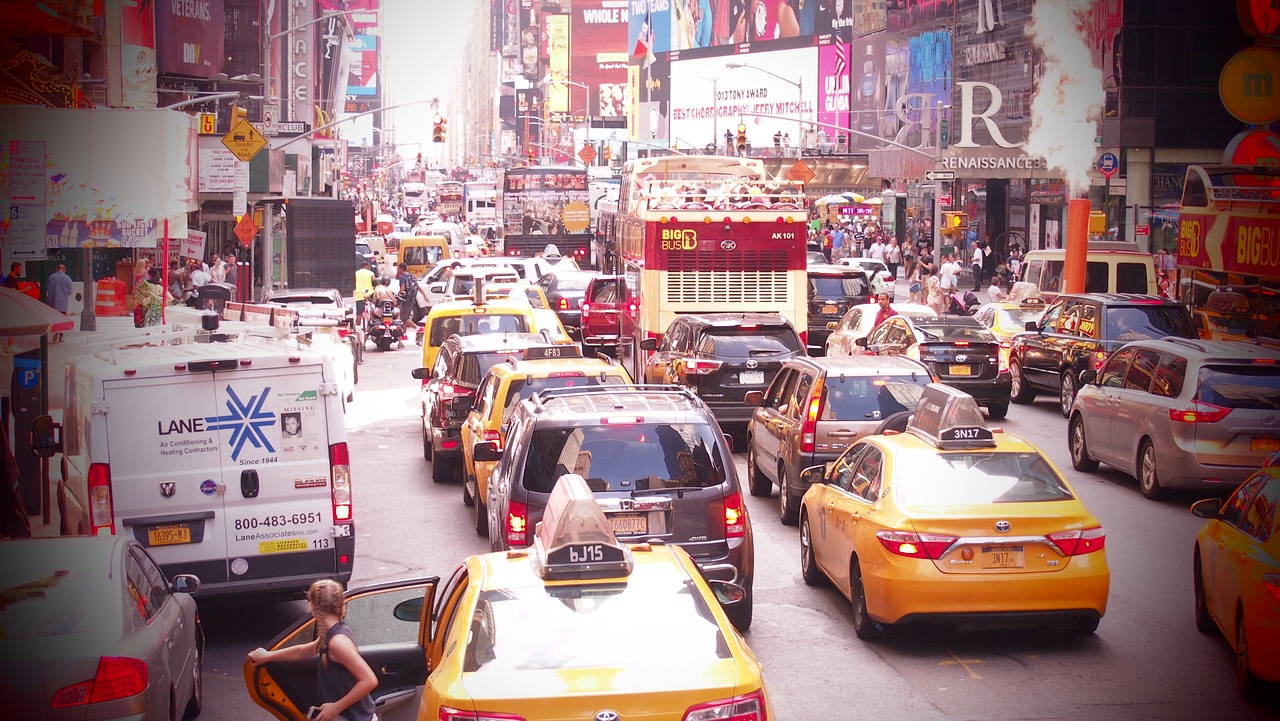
pixel 362 78
pixel 545 202
pixel 189 36
pixel 833 92
pixel 599 58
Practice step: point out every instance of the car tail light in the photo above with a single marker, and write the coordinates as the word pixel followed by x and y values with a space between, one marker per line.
pixel 735 516
pixel 453 714
pixel 1199 412
pixel 809 429
pixel 449 391
pixel 1099 359
pixel 493 436
pixel 699 366
pixel 961 343
pixel 750 707
pixel 116 678
pixel 1271 582
pixel 564 304
pixel 916 545
pixel 586 309
pixel 517 524
pixel 101 511
pixel 340 471
pixel 1079 542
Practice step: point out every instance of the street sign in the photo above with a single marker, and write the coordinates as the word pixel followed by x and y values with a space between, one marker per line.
pixel 246 230
pixel 244 141
pixel 208 123
pixel 800 171
pixel 944 200
pixel 940 175
pixel 1143 230
pixel 1108 164
pixel 292 127
pixel 270 114
pixel 587 154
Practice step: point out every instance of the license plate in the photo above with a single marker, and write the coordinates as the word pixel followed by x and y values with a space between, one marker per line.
pixel 1266 445
pixel 1002 556
pixel 751 377
pixel 629 523
pixel 829 309
pixel 959 370
pixel 169 535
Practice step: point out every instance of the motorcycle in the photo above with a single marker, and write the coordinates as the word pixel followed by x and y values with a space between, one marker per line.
pixel 966 304
pixel 384 327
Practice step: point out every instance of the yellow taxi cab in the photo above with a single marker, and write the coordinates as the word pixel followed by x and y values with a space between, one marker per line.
pixel 505 385
pixel 554 631
pixel 1237 575
pixel 952 522
pixel 1005 319
pixel 1212 325
pixel 469 317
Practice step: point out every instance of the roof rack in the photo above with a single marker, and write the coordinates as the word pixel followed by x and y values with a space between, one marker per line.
pixel 541 397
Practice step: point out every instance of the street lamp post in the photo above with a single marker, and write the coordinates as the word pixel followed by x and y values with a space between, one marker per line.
pixel 715 106
pixel 799 84
pixel 586 107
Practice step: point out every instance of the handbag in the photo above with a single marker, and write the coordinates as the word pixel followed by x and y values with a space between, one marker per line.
pixel 139 313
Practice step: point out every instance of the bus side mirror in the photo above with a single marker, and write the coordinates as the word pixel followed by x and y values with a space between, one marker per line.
pixel 46 437
pixel 649 344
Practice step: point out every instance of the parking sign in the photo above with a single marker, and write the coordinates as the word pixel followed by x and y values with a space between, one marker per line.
pixel 1108 164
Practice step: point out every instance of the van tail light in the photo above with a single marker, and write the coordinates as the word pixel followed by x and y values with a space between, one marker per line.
pixel 1099 360
pixel 516 526
pixel 735 516
pixel 116 678
pixel 453 714
pixel 699 366
pixel 101 510
pixel 916 545
pixel 340 471
pixel 1199 412
pixel 494 436
pixel 809 429
pixel 750 707
pixel 1271 582
pixel 1079 542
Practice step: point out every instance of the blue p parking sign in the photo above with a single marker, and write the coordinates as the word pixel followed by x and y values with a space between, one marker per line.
pixel 27 371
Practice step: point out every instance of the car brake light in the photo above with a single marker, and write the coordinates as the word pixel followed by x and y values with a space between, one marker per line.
pixel 116 678
pixel 586 309
pixel 699 366
pixel 453 714
pixel 101 511
pixel 517 524
pixel 449 391
pixel 1099 359
pixel 961 343
pixel 749 326
pixel 916 545
pixel 494 436
pixel 809 429
pixel 1079 542
pixel 735 516
pixel 1199 412
pixel 564 304
pixel 750 707
pixel 340 471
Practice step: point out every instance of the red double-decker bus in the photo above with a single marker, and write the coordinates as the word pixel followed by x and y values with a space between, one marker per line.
pixel 699 234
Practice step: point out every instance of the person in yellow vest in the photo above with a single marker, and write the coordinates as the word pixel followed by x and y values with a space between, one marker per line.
pixel 364 287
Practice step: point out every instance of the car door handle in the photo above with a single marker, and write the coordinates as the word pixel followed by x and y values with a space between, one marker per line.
pixel 391 669
pixel 843 434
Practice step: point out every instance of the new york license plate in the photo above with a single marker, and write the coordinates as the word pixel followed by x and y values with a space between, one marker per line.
pixel 1002 556
pixel 169 535
pixel 828 308
pixel 956 370
pixel 1266 445
pixel 751 377
pixel 629 523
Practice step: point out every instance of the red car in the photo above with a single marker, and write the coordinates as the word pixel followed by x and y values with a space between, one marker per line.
pixel 605 295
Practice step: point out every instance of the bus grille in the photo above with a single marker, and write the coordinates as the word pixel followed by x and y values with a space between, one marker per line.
pixel 713 277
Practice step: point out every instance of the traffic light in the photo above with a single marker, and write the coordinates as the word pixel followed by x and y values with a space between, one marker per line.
pixel 437 131
pixel 237 114
pixel 741 141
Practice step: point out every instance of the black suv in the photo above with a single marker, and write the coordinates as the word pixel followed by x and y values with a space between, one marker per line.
pixel 958 350
pixel 721 356
pixel 833 290
pixel 1078 331
pixel 449 391
pixel 653 456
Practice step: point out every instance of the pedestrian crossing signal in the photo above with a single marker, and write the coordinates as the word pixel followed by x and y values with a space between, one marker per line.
pixel 741 141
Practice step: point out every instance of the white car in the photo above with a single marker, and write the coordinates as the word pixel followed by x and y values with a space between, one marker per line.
pixel 431 284
pixel 860 320
pixel 877 271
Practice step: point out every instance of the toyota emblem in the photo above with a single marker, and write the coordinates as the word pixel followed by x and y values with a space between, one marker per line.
pixel 1268 418
pixel 728 245
pixel 962 357
pixel 753 363
pixel 607 715
pixel 1002 526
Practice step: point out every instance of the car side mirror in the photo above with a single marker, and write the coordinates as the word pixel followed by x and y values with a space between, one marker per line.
pixel 486 451
pixel 422 374
pixel 753 398
pixel 860 342
pixel 1207 508
pixel 813 474
pixel 184 583
pixel 46 437
pixel 727 593
pixel 1089 376
pixel 1032 326
pixel 409 610
pixel 435 288
pixel 649 344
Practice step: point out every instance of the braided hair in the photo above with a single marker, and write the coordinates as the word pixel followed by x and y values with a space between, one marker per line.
pixel 327 597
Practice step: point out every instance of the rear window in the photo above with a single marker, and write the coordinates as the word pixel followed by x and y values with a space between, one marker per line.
pixel 870 399
pixel 836 287
pixel 747 343
pixel 605 292
pixel 573 283
pixel 421 255
pixel 1243 387
pixel 1097 278
pixel 955 333
pixel 442 328
pixel 57 602
pixel 364 249
pixel 1131 278
pixel 924 478
pixel 520 388
pixel 622 456
pixel 1148 322
pixel 1018 318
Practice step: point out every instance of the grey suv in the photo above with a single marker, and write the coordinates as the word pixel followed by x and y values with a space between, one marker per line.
pixel 817 407
pixel 1179 413
pixel 655 459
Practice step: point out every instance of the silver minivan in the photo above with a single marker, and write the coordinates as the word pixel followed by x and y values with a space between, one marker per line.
pixel 1179 413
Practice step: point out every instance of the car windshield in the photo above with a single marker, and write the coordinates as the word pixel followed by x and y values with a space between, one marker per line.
pixel 836 287
pixel 929 479
pixel 43 602
pixel 521 388
pixel 421 254
pixel 1240 387
pixel 870 398
pixel 1017 318
pixel 1148 322
pixel 749 342
pixel 572 283
pixel 955 333
pixel 593 625
pixel 626 456
pixel 605 291
pixel 442 328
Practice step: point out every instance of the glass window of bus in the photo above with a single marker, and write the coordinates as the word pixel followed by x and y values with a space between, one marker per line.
pixel 1193 192
pixel 735 343
pixel 1051 279
pixel 1033 273
pixel 1131 278
pixel 1097 278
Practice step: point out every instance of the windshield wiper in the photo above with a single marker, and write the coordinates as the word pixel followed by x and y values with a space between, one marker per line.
pixel 638 492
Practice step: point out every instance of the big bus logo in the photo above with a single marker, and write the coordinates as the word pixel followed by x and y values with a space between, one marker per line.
pixel 679 239
pixel 1189 238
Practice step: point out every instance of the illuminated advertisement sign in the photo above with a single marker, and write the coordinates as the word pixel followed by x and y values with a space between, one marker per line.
pixel 189 38
pixel 557 62
pixel 599 59
pixel 833 87
pixel 362 77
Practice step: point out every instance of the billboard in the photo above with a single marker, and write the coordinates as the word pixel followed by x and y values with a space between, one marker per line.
pixel 189 38
pixel 599 57
pixel 761 87
pixel 833 88
pixel 992 47
pixel 868 16
pixel 131 49
pixel 557 34
pixel 362 75
pixel 869 105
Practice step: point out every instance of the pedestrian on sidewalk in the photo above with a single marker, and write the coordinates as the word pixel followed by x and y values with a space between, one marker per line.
pixel 977 262
pixel 893 257
pixel 59 289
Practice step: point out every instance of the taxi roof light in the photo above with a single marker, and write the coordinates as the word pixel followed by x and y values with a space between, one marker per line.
pixel 574 540
pixel 949 419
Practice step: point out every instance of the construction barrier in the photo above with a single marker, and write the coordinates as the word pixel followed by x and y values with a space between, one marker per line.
pixel 109 299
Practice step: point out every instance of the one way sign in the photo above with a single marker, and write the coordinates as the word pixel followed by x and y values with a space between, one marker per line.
pixel 940 175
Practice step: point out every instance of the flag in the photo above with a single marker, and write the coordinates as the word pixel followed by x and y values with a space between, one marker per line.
pixel 842 59
pixel 644 41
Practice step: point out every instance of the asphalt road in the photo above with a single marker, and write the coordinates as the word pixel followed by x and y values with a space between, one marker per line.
pixel 1146 662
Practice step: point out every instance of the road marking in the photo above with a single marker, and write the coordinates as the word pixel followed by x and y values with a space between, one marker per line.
pixel 963 663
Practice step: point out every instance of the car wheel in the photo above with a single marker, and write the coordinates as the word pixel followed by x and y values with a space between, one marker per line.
pixel 759 485
pixel 741 612
pixel 1019 391
pixel 809 570
pixel 1080 459
pixel 482 518
pixel 787 511
pixel 195 704
pixel 1067 392
pixel 1204 622
pixel 863 626
pixel 1084 628
pixel 442 470
pixel 997 411
pixel 1148 476
pixel 426 442
pixel 1248 684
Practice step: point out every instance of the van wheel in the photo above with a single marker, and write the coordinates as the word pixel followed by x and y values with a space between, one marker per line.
pixel 468 500
pixel 1020 391
pixel 759 485
pixel 809 570
pixel 1080 459
pixel 1148 477
pixel 788 513
pixel 482 518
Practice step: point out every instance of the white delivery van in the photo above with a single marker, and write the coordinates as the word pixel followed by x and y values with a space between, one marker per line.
pixel 225 460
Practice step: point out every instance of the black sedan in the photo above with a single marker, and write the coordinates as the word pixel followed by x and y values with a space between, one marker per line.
pixel 565 290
